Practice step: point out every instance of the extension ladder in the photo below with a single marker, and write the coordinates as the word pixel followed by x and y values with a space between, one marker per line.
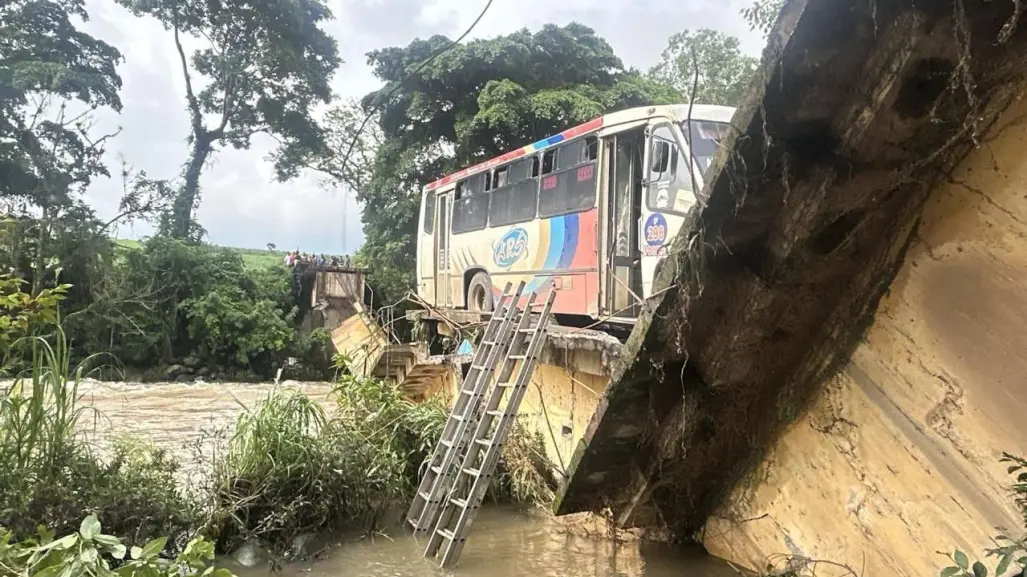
pixel 439 475
pixel 490 429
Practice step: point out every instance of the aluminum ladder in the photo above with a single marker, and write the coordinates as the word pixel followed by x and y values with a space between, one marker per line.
pixel 490 433
pixel 456 435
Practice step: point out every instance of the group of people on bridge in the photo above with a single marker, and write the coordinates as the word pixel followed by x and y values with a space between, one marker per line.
pixel 295 258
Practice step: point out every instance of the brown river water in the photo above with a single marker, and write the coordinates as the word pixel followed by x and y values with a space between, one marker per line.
pixel 502 543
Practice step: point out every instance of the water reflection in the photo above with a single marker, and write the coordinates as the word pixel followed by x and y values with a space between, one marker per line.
pixel 506 544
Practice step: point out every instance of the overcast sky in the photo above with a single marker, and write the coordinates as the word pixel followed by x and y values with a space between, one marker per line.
pixel 241 204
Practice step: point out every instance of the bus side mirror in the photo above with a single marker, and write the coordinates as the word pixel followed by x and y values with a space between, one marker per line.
pixel 661 156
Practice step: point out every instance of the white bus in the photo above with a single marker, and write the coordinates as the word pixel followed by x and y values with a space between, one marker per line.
pixel 588 212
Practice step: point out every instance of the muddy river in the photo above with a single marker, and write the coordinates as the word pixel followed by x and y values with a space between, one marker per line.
pixel 503 543
pixel 507 543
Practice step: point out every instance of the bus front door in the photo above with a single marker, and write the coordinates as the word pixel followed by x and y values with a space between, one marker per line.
pixel 442 296
pixel 625 198
pixel 668 197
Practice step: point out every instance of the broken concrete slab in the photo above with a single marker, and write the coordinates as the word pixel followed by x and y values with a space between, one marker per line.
pixel 858 109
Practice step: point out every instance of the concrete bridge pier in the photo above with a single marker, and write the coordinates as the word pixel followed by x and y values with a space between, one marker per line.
pixel 860 116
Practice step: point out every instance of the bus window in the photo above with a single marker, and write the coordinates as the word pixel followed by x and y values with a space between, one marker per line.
pixel 549 161
pixel 513 204
pixel 501 177
pixel 670 180
pixel 573 188
pixel 470 213
pixel 591 149
pixel 429 212
pixel 471 185
pixel 523 169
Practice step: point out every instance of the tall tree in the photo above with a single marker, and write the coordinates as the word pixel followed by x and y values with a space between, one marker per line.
pixel 723 70
pixel 52 76
pixel 472 102
pixel 263 66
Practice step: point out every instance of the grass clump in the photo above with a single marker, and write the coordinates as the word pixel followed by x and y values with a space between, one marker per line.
pixel 293 468
pixel 51 476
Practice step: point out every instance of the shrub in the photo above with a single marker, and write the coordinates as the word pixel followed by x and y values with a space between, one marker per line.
pixel 88 552
pixel 51 476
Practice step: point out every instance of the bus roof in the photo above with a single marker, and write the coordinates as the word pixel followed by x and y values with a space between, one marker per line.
pixel 705 112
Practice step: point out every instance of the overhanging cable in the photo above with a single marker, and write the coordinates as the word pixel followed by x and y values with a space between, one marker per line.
pixel 429 60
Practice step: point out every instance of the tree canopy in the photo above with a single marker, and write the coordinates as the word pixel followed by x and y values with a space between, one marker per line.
pixel 723 70
pixel 472 102
pixel 264 66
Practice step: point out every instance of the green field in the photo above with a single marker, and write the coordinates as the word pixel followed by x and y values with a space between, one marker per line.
pixel 252 258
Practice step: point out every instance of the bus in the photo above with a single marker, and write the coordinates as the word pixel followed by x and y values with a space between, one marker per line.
pixel 588 212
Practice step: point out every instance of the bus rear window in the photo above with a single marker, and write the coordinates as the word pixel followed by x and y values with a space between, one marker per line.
pixel 429 212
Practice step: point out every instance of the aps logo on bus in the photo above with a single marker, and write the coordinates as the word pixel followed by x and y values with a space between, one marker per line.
pixel 510 248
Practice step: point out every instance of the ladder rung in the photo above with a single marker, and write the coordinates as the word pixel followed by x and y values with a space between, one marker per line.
pixel 483 442
pixel 488 342
pixel 472 471
pixel 447 443
pixel 479 367
pixel 495 414
pixel 518 357
pixel 424 495
pixel 462 503
pixel 527 331
pixel 506 384
pixel 446 534
pixel 437 469
pixel 413 522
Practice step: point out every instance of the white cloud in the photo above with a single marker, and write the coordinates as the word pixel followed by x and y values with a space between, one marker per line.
pixel 241 203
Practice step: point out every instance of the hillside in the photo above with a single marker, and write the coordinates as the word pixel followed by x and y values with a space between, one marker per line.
pixel 253 258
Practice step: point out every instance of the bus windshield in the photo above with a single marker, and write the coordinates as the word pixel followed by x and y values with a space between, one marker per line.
pixel 704 138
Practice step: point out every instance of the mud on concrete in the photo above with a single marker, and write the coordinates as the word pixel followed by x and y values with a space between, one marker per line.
pixel 859 109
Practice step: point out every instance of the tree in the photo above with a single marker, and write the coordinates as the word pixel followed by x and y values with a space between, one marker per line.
pixel 472 102
pixel 762 15
pixel 723 70
pixel 263 66
pixel 52 76
pixel 342 125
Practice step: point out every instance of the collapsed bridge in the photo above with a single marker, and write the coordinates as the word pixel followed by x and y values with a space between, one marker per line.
pixel 858 110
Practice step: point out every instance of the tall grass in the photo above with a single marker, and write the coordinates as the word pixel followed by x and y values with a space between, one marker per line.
pixel 292 468
pixel 51 476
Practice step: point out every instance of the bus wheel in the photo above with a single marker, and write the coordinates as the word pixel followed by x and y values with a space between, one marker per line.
pixel 479 294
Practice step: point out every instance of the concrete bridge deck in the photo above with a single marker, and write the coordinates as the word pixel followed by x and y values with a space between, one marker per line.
pixel 858 111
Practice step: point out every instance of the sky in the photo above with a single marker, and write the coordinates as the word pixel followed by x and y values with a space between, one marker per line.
pixel 241 203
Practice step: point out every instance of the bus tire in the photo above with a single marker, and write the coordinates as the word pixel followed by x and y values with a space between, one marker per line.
pixel 479 293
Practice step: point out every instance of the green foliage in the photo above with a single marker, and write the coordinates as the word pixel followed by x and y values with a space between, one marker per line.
pixel 478 100
pixel 723 70
pixel 21 313
pixel 50 474
pixel 1009 552
pixel 762 15
pixel 262 67
pixel 88 552
pixel 293 468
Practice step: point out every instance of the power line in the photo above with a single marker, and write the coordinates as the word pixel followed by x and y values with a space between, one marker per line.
pixel 429 60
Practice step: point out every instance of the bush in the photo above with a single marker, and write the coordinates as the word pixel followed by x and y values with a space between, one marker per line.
pixel 50 475
pixel 88 552
pixel 292 469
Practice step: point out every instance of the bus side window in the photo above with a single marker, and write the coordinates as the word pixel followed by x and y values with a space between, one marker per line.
pixel 591 151
pixel 534 167
pixel 549 161
pixel 429 212
pixel 501 177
